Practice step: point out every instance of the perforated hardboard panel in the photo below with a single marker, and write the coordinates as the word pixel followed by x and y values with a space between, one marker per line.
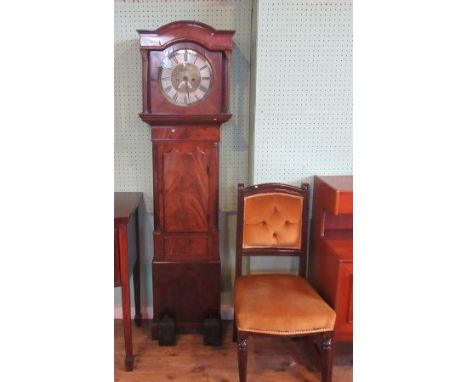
pixel 303 106
pixel 132 143
pixel 301 116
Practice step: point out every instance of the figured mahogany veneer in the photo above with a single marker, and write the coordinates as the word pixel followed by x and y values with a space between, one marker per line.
pixel 186 264
pixel 331 268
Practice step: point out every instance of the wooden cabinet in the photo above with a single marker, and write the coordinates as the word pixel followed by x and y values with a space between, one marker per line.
pixel 331 265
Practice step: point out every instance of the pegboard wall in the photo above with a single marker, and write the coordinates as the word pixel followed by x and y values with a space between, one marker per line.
pixel 132 143
pixel 298 92
pixel 303 91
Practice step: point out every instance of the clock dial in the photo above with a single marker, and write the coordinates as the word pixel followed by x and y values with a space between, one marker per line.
pixel 185 77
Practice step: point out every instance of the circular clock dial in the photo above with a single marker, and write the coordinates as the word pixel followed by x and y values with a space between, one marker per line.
pixel 185 77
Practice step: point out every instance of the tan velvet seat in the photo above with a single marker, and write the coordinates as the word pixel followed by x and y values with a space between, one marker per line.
pixel 280 305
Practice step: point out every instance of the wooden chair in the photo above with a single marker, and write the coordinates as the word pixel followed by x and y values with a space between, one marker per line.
pixel 272 219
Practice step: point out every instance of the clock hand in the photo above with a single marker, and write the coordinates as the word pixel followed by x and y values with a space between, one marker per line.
pixel 186 83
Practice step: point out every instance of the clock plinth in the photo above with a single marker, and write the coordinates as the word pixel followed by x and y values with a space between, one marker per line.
pixel 185 101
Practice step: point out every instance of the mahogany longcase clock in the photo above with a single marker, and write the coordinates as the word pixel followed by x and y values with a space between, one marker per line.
pixel 185 100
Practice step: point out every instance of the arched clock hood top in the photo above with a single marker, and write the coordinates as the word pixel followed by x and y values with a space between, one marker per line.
pixel 192 31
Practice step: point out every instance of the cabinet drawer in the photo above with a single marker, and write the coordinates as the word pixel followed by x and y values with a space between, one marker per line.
pixel 337 202
pixel 345 203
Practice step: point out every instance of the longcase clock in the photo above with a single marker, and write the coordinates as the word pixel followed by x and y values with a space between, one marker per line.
pixel 185 100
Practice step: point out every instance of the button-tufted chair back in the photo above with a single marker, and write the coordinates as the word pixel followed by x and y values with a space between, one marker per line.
pixel 272 220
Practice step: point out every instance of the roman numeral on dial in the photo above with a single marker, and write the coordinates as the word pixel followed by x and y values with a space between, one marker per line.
pixel 203 88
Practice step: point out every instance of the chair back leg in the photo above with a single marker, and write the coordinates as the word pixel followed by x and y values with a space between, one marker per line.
pixel 242 355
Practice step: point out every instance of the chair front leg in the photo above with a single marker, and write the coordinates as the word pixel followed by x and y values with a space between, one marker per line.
pixel 327 356
pixel 242 355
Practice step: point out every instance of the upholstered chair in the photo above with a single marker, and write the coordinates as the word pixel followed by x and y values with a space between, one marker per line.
pixel 272 219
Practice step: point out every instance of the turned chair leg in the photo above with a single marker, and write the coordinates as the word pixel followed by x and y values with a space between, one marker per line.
pixel 242 355
pixel 328 350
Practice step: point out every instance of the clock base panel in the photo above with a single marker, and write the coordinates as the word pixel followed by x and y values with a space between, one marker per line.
pixel 189 293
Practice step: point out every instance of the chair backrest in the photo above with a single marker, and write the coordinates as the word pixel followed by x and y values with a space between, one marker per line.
pixel 272 219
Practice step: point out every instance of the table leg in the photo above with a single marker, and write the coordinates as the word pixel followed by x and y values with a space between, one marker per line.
pixel 136 273
pixel 125 279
